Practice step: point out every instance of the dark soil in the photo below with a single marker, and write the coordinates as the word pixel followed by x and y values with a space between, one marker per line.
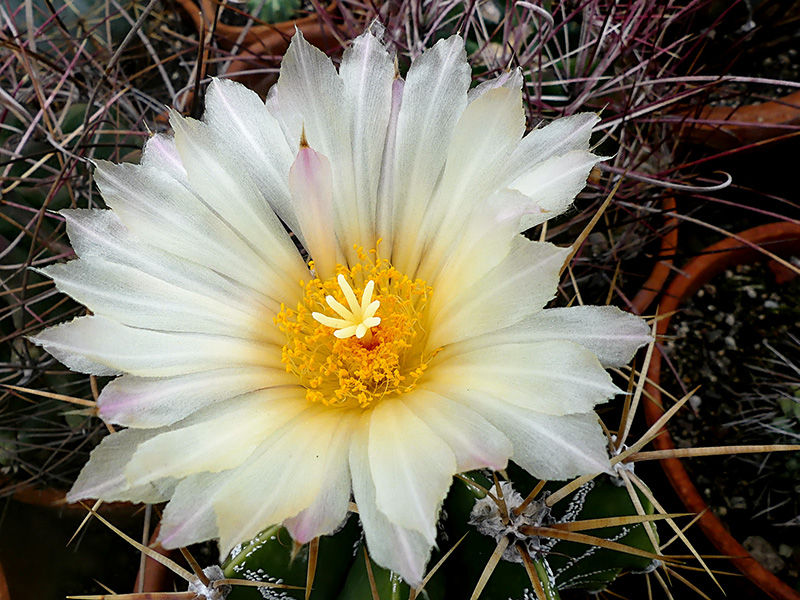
pixel 737 338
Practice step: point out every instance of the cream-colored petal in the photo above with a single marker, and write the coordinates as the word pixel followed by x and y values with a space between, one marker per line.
pixel 189 518
pixel 404 551
pixel 484 137
pixel 216 438
pixel 238 200
pixel 329 509
pixel 149 353
pixel 606 331
pixel 434 96
pixel 145 402
pixel 241 127
pixel 281 478
pixel 368 72
pixel 517 287
pixel 103 476
pixel 165 214
pixel 412 468
pixel 507 79
pixel 554 183
pixel 476 443
pixel 555 139
pixel 556 377
pixel 134 298
pixel 486 238
pixel 310 181
pixel 160 152
pixel 100 235
pixel 310 96
pixel 547 446
pixel 391 179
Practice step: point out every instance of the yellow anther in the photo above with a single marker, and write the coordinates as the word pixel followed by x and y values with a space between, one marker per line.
pixel 347 360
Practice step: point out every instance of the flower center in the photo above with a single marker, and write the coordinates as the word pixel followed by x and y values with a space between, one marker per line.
pixel 359 337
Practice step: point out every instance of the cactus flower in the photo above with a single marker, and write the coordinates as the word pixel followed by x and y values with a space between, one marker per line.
pixel 397 336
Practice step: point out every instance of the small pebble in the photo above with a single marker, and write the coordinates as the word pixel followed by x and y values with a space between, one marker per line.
pixel 737 503
pixel 765 553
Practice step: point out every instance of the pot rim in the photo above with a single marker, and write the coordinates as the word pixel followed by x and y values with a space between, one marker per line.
pixel 780 238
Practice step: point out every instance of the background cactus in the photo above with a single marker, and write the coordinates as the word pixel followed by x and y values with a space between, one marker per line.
pixel 273 11
pixel 342 572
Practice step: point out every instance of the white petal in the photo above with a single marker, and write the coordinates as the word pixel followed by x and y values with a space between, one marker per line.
pixel 390 178
pixel 609 333
pixel 189 517
pixel 434 96
pixel 412 468
pixel 217 438
pixel 310 96
pixel 404 551
pixel 555 377
pixel 482 141
pixel 160 152
pixel 557 138
pixel 235 198
pixel 507 79
pixel 485 239
pixel 145 402
pixel 554 183
pixel 330 507
pixel 134 298
pixel 310 182
pixel 368 72
pixel 165 214
pixel 476 443
pixel 517 287
pixel 149 353
pixel 547 446
pixel 243 128
pixel 103 476
pixel 99 234
pixel 281 478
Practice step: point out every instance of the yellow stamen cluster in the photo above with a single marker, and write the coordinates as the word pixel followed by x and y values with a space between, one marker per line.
pixel 368 351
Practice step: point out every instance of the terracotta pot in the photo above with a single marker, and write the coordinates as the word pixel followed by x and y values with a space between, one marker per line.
pixel 261 44
pixel 270 38
pixel 157 577
pixel 728 127
pixel 56 498
pixel 4 593
pixel 782 239
pixel 652 287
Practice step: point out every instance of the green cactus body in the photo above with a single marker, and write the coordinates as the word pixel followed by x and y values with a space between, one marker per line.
pixel 590 567
pixel 273 11
pixel 389 586
pixel 559 564
pixel 509 581
pixel 268 557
